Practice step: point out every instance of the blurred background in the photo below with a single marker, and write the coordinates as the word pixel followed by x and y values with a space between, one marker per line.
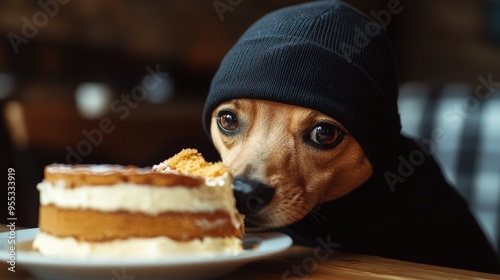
pixel 124 82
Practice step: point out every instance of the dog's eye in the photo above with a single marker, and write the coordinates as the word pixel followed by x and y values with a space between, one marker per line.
pixel 325 135
pixel 227 121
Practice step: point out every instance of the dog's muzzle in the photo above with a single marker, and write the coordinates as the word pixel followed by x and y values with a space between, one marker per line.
pixel 251 196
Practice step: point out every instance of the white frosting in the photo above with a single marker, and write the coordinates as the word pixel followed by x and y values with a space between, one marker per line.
pixel 214 195
pixel 155 247
pixel 101 169
pixel 136 198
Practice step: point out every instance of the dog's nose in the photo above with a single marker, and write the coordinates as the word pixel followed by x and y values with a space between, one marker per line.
pixel 251 196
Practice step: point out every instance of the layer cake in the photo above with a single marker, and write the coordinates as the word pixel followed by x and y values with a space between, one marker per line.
pixel 182 206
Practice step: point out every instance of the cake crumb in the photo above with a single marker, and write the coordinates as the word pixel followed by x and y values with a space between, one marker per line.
pixel 192 162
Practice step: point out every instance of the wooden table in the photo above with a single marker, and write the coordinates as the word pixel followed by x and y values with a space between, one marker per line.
pixel 301 263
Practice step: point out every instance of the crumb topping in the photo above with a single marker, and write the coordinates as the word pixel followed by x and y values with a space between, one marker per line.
pixel 191 162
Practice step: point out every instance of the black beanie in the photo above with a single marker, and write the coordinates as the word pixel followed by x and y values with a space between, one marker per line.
pixel 322 55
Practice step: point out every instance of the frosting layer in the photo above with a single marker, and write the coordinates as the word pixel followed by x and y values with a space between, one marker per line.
pixel 156 247
pixel 211 196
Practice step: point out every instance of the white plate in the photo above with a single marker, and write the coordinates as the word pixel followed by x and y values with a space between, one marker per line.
pixel 43 267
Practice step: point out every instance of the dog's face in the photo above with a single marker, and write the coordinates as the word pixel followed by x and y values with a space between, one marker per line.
pixel 286 159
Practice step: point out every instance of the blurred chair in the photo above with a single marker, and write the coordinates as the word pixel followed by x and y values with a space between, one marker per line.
pixel 464 131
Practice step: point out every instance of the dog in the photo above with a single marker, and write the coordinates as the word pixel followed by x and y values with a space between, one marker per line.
pixel 289 160
pixel 290 173
pixel 304 113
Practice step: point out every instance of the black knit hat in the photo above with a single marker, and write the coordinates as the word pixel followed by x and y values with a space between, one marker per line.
pixel 322 55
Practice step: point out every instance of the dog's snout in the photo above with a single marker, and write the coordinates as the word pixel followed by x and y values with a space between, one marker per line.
pixel 251 196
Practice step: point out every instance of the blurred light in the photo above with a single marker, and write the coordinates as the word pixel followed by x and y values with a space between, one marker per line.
pixel 6 85
pixel 92 99
pixel 162 89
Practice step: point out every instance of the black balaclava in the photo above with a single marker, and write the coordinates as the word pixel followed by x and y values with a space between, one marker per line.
pixel 322 55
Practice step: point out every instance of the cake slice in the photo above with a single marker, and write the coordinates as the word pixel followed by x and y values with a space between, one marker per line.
pixel 183 206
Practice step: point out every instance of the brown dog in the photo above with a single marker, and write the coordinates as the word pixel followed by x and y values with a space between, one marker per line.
pixel 305 156
pixel 305 114
pixel 289 160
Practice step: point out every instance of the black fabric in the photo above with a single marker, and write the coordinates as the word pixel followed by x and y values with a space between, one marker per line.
pixel 422 219
pixel 313 55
